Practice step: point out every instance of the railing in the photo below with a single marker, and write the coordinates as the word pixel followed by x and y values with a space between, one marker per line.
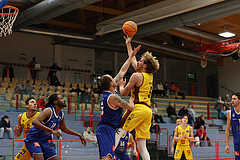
pixel 159 142
pixel 89 116
pixel 70 104
pixel 93 120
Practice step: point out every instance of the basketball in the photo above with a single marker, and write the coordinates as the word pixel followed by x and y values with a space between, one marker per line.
pixel 129 28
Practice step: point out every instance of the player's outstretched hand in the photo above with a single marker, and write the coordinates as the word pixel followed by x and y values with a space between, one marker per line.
pixel 172 150
pixel 128 39
pixel 227 149
pixel 135 50
pixel 56 133
pixel 135 153
pixel 16 130
pixel 83 140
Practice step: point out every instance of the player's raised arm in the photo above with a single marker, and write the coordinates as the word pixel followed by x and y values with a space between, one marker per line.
pixel 67 130
pixel 44 116
pixel 129 49
pixel 227 132
pixel 126 65
pixel 116 101
pixel 18 128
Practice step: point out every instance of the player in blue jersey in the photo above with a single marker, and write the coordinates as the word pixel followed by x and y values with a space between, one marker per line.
pixel 111 107
pixel 120 151
pixel 233 120
pixel 45 124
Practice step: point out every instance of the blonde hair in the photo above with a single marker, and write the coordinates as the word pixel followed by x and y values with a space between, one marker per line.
pixel 151 62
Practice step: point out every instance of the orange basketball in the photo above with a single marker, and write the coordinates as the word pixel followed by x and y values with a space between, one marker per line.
pixel 129 28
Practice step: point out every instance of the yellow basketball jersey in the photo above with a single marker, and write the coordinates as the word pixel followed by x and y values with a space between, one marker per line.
pixel 27 123
pixel 142 94
pixel 184 141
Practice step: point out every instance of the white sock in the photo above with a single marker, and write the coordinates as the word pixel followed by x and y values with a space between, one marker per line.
pixel 118 134
pixel 142 148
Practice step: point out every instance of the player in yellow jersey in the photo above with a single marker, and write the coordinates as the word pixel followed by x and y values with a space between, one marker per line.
pixel 140 85
pixel 24 125
pixel 183 134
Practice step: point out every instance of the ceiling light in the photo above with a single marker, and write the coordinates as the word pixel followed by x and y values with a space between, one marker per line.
pixel 227 34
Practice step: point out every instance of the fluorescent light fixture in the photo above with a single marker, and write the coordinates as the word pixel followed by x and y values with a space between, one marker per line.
pixel 227 34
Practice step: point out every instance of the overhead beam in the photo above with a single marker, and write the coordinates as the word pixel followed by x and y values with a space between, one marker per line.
pixel 175 55
pixel 66 24
pixel 94 8
pixel 189 37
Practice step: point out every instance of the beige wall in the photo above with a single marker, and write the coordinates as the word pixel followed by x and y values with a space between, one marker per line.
pixel 229 76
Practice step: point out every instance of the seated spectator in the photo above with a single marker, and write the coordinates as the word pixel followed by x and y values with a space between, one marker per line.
pixel 175 91
pixel 192 114
pixel 41 103
pixel 158 117
pixel 54 80
pixel 219 104
pixel 223 113
pixel 29 88
pixel 227 100
pixel 172 112
pixel 201 133
pixel 21 87
pixel 183 111
pixel 166 90
pixel 5 127
pixel 160 90
pixel 88 135
pixel 199 122
pixel 154 127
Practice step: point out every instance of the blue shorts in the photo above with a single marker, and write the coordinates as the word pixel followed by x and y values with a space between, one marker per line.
pixel 35 147
pixel 237 151
pixel 122 156
pixel 106 140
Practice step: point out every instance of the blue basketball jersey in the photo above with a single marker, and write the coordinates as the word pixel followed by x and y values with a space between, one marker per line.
pixel 109 115
pixel 122 145
pixel 41 135
pixel 235 123
pixel 3 3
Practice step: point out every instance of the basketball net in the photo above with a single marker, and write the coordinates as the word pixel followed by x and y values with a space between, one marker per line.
pixel 8 15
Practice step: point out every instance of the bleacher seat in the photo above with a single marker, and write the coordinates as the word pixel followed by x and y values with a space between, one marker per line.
pixel 13 85
pixel 5 85
pixel 74 85
pixel 38 82
pixel 6 79
pixel 45 82
pixel 8 96
pixel 10 90
pixel 15 80
pixel 2 90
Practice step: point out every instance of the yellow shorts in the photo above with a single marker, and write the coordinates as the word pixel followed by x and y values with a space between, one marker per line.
pixel 23 154
pixel 140 119
pixel 187 151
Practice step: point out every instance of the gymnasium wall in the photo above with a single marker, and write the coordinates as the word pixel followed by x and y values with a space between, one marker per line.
pixel 229 76
pixel 20 48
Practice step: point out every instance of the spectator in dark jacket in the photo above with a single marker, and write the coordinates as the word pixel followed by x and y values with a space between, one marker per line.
pixel 200 121
pixel 171 112
pixel 5 126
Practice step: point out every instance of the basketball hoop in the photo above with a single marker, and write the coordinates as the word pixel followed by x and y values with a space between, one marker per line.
pixel 8 15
